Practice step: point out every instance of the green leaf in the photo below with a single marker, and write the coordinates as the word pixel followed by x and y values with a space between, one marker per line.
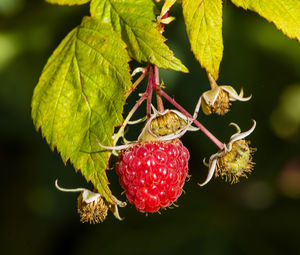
pixel 135 21
pixel 203 20
pixel 80 97
pixel 68 2
pixel 285 14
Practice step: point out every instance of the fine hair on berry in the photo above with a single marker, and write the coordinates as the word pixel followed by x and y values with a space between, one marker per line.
pixel 153 173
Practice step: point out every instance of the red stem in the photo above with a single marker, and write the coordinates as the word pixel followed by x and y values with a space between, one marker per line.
pixel 137 82
pixel 160 105
pixel 132 111
pixel 150 87
pixel 162 26
pixel 153 84
pixel 219 144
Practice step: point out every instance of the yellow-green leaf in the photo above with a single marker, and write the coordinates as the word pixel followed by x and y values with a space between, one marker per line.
pixel 166 7
pixel 285 14
pixel 135 21
pixel 203 20
pixel 80 97
pixel 68 2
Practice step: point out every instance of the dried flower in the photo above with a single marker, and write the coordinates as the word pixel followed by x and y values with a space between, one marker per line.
pixel 167 125
pixel 217 99
pixel 235 160
pixel 235 163
pixel 92 207
pixel 94 211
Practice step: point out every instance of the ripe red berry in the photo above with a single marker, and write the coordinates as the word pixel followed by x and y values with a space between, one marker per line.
pixel 153 173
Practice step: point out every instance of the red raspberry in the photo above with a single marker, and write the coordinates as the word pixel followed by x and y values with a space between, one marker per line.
pixel 153 173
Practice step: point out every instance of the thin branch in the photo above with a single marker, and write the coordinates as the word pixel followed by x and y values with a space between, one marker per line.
pixel 150 87
pixel 138 81
pixel 132 111
pixel 160 105
pixel 219 144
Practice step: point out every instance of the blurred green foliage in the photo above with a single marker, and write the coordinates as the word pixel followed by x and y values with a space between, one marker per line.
pixel 260 215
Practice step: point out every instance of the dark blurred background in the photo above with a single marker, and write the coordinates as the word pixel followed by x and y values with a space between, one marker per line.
pixel 260 215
